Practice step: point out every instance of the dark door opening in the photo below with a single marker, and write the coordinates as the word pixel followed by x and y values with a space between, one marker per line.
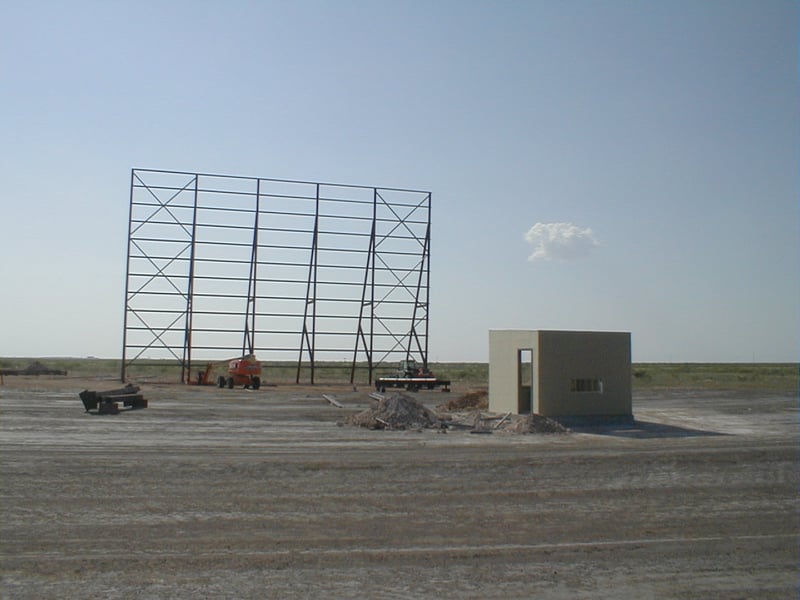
pixel 525 381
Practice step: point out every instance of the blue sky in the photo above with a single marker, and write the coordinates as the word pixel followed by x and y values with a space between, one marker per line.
pixel 609 165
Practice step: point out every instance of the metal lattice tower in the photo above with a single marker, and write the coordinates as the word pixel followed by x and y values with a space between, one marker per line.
pixel 221 265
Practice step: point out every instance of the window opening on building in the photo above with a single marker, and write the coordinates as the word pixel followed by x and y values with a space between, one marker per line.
pixel 586 385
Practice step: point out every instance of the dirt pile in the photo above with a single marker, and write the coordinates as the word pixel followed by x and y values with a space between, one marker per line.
pixel 397 411
pixel 478 422
pixel 532 424
pixel 403 411
pixel 478 399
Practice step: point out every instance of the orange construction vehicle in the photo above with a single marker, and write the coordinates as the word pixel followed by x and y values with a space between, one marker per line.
pixel 244 371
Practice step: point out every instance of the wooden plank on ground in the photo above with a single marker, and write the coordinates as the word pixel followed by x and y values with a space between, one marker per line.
pixel 501 421
pixel 332 400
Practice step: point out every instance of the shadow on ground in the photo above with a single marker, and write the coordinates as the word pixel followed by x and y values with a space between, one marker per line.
pixel 633 428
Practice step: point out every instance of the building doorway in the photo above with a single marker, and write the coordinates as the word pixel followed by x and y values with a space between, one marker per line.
pixel 525 381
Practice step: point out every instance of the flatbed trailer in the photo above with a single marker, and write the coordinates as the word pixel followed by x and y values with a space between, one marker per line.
pixel 412 384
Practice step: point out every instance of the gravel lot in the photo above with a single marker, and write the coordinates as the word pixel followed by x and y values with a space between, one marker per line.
pixel 213 493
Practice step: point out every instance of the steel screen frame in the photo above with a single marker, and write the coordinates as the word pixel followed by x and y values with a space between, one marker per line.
pixel 219 266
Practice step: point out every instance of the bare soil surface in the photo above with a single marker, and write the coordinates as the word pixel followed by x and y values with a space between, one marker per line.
pixel 212 493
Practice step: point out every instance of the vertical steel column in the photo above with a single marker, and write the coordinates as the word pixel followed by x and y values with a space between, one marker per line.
pixel 248 341
pixel 311 299
pixel 314 291
pixel 369 278
pixel 372 277
pixel 127 283
pixel 428 278
pixel 424 269
pixel 186 361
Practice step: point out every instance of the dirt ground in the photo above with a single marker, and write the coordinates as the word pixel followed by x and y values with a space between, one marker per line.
pixel 213 493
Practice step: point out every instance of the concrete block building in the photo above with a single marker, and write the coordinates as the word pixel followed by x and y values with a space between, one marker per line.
pixel 560 373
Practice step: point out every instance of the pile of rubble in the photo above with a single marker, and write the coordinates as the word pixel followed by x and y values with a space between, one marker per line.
pixel 107 403
pixel 470 411
pixel 402 411
pixel 397 411
pixel 478 399
pixel 507 423
pixel 532 424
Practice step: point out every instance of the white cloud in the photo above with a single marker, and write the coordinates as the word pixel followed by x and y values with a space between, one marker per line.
pixel 564 241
